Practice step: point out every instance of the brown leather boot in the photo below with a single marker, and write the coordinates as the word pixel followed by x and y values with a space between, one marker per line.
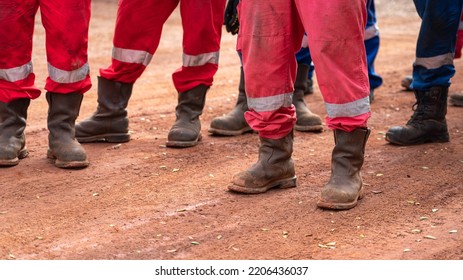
pixel 186 131
pixel 110 122
pixel 427 124
pixel 305 119
pixel 63 147
pixel 233 123
pixel 456 99
pixel 13 117
pixel 345 185
pixel 273 169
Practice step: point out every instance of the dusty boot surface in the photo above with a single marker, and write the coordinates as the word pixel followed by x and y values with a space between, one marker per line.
pixel 63 148
pixel 456 99
pixel 233 123
pixel 13 117
pixel 274 168
pixel 186 131
pixel 110 122
pixel 305 119
pixel 344 187
pixel 427 124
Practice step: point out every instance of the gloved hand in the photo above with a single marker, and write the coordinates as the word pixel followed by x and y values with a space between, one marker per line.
pixel 231 22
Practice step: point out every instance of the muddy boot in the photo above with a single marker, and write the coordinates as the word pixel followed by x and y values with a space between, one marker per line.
pixel 233 123
pixel 456 99
pixel 427 123
pixel 305 119
pixel 345 185
pixel 186 131
pixel 63 147
pixel 273 169
pixel 13 117
pixel 109 123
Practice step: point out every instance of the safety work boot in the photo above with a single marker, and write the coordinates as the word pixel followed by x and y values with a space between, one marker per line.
pixel 186 131
pixel 456 99
pixel 427 124
pixel 110 122
pixel 344 187
pixel 273 169
pixel 305 119
pixel 63 147
pixel 233 123
pixel 13 117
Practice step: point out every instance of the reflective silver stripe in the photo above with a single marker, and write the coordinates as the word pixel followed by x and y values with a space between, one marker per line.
pixel 67 77
pixel 371 32
pixel 435 61
pixel 270 103
pixel 132 56
pixel 16 73
pixel 351 109
pixel 460 27
pixel 202 59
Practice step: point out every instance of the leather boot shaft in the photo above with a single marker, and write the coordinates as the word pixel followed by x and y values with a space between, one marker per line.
pixel 63 147
pixel 428 123
pixel 345 184
pixel 305 119
pixel 233 123
pixel 273 169
pixel 186 131
pixel 13 117
pixel 110 122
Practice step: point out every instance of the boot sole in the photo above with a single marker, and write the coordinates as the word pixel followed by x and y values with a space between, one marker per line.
pixel 313 128
pixel 12 162
pixel 110 138
pixel 281 184
pixel 223 132
pixel 183 144
pixel 67 164
pixel 424 140
pixel 340 206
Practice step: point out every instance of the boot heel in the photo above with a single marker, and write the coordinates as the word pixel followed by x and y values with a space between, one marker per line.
pixel 23 153
pixel 290 183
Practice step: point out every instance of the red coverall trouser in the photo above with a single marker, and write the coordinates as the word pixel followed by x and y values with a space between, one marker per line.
pixel 270 34
pixel 66 25
pixel 459 45
pixel 138 32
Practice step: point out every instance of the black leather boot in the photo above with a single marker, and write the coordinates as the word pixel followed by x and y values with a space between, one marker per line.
pixel 427 124
pixel 110 122
pixel 186 131
pixel 13 117
pixel 63 147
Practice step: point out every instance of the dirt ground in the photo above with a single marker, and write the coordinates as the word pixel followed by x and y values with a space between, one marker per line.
pixel 141 200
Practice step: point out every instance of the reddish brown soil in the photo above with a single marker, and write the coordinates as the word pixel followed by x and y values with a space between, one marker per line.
pixel 141 200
